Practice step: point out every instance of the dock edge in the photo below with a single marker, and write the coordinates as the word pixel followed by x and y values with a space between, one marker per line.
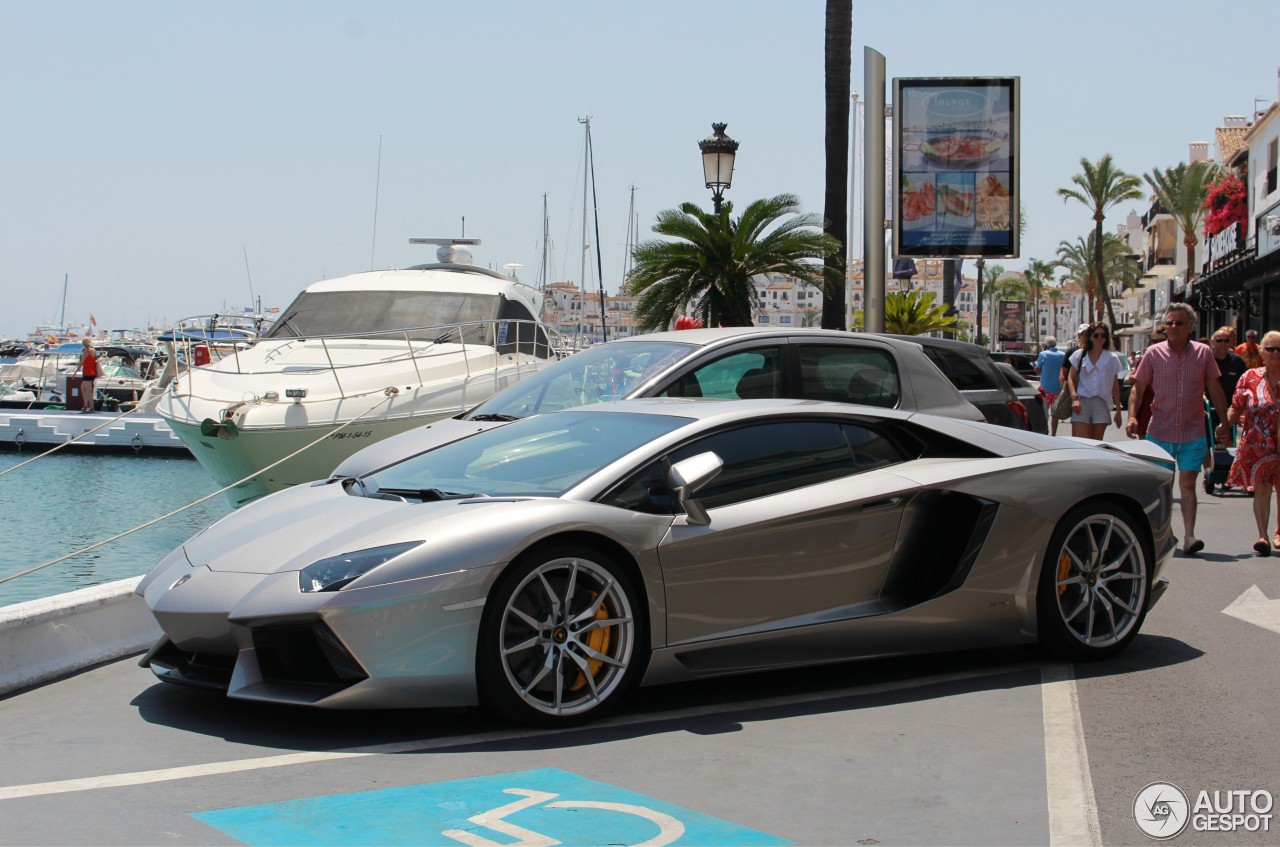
pixel 52 637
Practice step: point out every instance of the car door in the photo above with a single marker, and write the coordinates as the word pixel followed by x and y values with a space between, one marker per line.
pixel 804 520
pixel 743 373
pixel 848 373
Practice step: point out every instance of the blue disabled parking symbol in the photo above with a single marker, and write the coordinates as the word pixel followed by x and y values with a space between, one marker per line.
pixel 537 808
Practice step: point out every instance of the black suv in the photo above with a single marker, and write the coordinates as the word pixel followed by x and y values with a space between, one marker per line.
pixel 1023 363
pixel 971 370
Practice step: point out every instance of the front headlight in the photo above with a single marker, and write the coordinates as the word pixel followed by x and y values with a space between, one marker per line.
pixel 337 571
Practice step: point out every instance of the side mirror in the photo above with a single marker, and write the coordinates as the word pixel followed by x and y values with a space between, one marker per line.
pixel 687 478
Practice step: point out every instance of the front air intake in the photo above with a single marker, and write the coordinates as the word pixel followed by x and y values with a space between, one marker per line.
pixel 307 654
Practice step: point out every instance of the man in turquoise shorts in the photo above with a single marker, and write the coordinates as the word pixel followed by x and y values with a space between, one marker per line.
pixel 1181 372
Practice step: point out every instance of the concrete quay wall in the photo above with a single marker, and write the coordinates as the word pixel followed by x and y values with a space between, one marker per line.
pixel 48 638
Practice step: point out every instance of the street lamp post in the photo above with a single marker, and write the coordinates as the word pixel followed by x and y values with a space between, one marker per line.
pixel 718 152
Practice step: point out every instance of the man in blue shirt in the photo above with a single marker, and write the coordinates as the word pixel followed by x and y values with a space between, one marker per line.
pixel 1049 368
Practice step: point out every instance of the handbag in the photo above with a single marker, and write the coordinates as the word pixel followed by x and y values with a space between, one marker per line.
pixel 1062 407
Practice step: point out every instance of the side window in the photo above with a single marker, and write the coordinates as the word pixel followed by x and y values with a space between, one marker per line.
pixel 751 374
pixel 770 458
pixel 848 374
pixel 964 375
pixel 872 449
pixel 761 460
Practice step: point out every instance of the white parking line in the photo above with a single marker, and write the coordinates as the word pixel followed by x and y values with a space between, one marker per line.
pixel 1073 811
pixel 121 780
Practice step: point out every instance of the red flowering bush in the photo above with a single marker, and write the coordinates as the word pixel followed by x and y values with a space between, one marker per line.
pixel 1226 203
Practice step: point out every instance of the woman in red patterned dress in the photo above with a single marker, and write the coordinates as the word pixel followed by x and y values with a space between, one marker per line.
pixel 1257 464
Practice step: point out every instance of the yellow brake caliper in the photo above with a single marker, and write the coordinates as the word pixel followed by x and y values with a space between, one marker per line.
pixel 598 640
pixel 1064 570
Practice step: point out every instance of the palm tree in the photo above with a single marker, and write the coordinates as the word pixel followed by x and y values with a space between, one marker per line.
pixel 715 258
pixel 1079 259
pixel 1037 274
pixel 1101 186
pixel 839 37
pixel 1182 190
pixel 987 275
pixel 949 274
pixel 912 313
pixel 1055 297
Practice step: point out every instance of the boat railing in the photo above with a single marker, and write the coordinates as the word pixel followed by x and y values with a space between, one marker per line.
pixel 527 339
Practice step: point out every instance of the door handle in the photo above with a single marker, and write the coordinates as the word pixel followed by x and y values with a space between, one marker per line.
pixel 886 503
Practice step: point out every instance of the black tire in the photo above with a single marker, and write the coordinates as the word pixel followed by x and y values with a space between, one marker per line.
pixel 1095 583
pixel 564 635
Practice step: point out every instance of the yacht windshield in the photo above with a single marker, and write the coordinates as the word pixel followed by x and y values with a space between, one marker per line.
pixel 357 312
pixel 604 372
pixel 543 456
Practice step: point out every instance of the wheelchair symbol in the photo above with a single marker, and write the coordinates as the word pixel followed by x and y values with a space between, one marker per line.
pixel 669 829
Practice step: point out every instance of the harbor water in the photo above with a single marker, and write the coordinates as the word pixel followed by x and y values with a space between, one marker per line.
pixel 64 502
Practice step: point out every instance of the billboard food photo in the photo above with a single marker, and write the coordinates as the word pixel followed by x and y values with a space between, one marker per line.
pixel 955 162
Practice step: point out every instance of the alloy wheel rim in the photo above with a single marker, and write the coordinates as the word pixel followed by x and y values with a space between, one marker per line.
pixel 566 637
pixel 1101 581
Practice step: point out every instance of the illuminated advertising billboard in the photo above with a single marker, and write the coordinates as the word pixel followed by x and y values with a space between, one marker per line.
pixel 1013 321
pixel 955 167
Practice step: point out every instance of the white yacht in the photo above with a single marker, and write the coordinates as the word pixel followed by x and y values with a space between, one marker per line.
pixel 354 360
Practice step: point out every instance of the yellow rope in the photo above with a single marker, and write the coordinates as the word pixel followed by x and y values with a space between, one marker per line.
pixel 390 392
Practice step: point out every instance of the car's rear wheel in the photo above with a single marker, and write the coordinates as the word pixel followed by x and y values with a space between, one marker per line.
pixel 1095 583
pixel 562 637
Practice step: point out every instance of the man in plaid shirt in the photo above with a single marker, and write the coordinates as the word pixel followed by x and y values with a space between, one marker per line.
pixel 1181 372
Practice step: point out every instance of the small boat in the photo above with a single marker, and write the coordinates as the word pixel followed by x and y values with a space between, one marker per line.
pixel 51 375
pixel 354 360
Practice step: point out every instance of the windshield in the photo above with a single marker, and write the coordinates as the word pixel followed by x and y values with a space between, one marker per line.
pixel 542 456
pixel 603 372
pixel 356 312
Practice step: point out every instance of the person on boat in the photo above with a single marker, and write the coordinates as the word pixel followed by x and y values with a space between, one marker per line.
pixel 88 374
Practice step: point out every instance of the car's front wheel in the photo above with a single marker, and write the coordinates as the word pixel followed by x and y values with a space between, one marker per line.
pixel 561 639
pixel 1094 585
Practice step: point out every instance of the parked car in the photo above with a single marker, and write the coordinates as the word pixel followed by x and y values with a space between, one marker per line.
pixel 545 566
pixel 1030 397
pixel 727 363
pixel 1126 378
pixel 971 370
pixel 1023 363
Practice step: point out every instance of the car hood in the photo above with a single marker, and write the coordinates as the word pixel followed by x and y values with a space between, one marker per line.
pixel 292 529
pixel 406 444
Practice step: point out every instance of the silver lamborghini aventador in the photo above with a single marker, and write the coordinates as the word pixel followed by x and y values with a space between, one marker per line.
pixel 545 566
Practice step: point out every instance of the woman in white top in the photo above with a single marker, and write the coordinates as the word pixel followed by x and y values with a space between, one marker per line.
pixel 1094 382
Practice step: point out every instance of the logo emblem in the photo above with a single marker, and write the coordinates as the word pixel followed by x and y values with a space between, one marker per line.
pixel 1161 810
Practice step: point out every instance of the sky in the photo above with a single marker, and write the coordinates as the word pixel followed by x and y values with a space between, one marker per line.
pixel 171 159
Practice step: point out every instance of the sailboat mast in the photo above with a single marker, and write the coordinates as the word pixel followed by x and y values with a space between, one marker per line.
pixel 62 314
pixel 633 235
pixel 595 208
pixel 546 238
pixel 586 246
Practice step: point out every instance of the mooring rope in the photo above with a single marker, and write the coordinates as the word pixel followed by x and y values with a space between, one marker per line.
pixel 390 393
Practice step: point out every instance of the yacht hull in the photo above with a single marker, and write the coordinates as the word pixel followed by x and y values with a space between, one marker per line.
pixel 318 449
